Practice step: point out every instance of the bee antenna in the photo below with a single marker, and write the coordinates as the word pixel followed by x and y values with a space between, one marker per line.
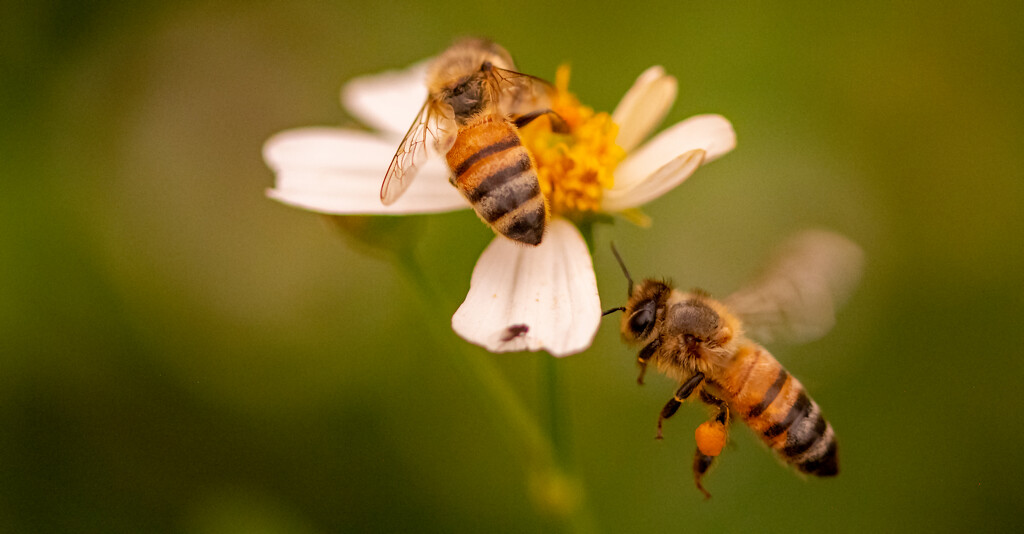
pixel 625 271
pixel 613 310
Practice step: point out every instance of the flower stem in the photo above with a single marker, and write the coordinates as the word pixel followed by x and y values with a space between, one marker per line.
pixel 482 372
pixel 586 229
pixel 558 423
pixel 555 492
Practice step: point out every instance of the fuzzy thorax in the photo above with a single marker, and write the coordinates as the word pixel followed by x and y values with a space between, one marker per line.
pixel 698 335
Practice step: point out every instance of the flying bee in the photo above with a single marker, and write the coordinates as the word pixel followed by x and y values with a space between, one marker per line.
pixel 702 343
pixel 476 102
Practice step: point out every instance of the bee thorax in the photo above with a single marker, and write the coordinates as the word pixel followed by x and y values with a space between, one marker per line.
pixel 694 320
pixel 466 99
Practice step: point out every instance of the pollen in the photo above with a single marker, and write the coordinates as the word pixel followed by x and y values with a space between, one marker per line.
pixel 710 437
pixel 574 167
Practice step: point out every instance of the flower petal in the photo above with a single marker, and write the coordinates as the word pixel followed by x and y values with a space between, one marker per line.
pixel 711 133
pixel 331 170
pixel 388 101
pixel 547 294
pixel 644 106
pixel 658 183
pixel 333 148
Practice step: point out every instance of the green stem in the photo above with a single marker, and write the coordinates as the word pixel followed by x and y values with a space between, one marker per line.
pixel 558 420
pixel 587 230
pixel 558 423
pixel 482 372
pixel 555 492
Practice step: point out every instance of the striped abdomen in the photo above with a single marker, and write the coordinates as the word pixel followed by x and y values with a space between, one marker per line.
pixel 775 405
pixel 495 172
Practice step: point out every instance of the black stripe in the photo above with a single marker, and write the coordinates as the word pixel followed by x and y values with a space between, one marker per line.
pixel 503 175
pixel 750 368
pixel 770 395
pixel 802 436
pixel 803 402
pixel 825 466
pixel 493 148
pixel 505 199
pixel 527 227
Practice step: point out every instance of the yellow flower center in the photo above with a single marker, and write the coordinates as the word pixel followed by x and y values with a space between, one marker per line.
pixel 574 168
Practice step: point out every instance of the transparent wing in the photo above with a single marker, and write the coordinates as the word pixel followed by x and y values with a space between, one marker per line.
pixel 434 120
pixel 796 297
pixel 519 93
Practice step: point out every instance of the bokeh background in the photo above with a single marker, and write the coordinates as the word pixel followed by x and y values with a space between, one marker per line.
pixel 180 354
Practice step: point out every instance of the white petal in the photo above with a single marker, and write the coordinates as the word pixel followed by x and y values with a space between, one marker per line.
pixel 550 289
pixel 388 101
pixel 644 106
pixel 333 148
pixel 340 172
pixel 711 133
pixel 658 183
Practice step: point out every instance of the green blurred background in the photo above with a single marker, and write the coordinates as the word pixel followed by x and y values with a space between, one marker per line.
pixel 180 354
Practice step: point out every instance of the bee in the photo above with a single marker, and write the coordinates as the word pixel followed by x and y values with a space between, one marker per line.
pixel 476 102
pixel 702 343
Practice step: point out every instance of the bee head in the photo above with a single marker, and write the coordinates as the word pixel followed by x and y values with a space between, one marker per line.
pixel 642 311
pixel 458 77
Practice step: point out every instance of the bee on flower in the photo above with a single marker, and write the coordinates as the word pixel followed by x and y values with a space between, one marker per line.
pixel 475 105
pixel 586 164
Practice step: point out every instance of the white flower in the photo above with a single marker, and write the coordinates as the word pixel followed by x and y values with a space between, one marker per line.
pixel 520 297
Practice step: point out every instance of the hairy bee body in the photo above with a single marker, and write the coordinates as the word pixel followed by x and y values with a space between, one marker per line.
pixel 475 102
pixel 461 62
pixel 698 334
pixel 700 342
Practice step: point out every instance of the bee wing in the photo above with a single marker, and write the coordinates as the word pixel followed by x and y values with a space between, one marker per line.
pixel 435 119
pixel 519 93
pixel 796 297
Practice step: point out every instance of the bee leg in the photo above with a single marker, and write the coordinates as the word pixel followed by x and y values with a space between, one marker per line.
pixel 681 395
pixel 701 464
pixel 723 409
pixel 645 354
pixel 558 124
pixel 643 369
pixel 711 437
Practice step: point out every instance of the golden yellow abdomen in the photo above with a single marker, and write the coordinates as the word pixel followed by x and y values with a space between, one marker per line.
pixel 775 405
pixel 496 174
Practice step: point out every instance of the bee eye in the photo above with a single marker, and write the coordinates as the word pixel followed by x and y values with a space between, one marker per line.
pixel 643 319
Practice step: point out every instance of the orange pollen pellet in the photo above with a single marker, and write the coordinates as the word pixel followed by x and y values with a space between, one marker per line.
pixel 710 437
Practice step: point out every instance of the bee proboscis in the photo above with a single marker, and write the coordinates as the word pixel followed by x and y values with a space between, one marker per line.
pixel 701 343
pixel 476 102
